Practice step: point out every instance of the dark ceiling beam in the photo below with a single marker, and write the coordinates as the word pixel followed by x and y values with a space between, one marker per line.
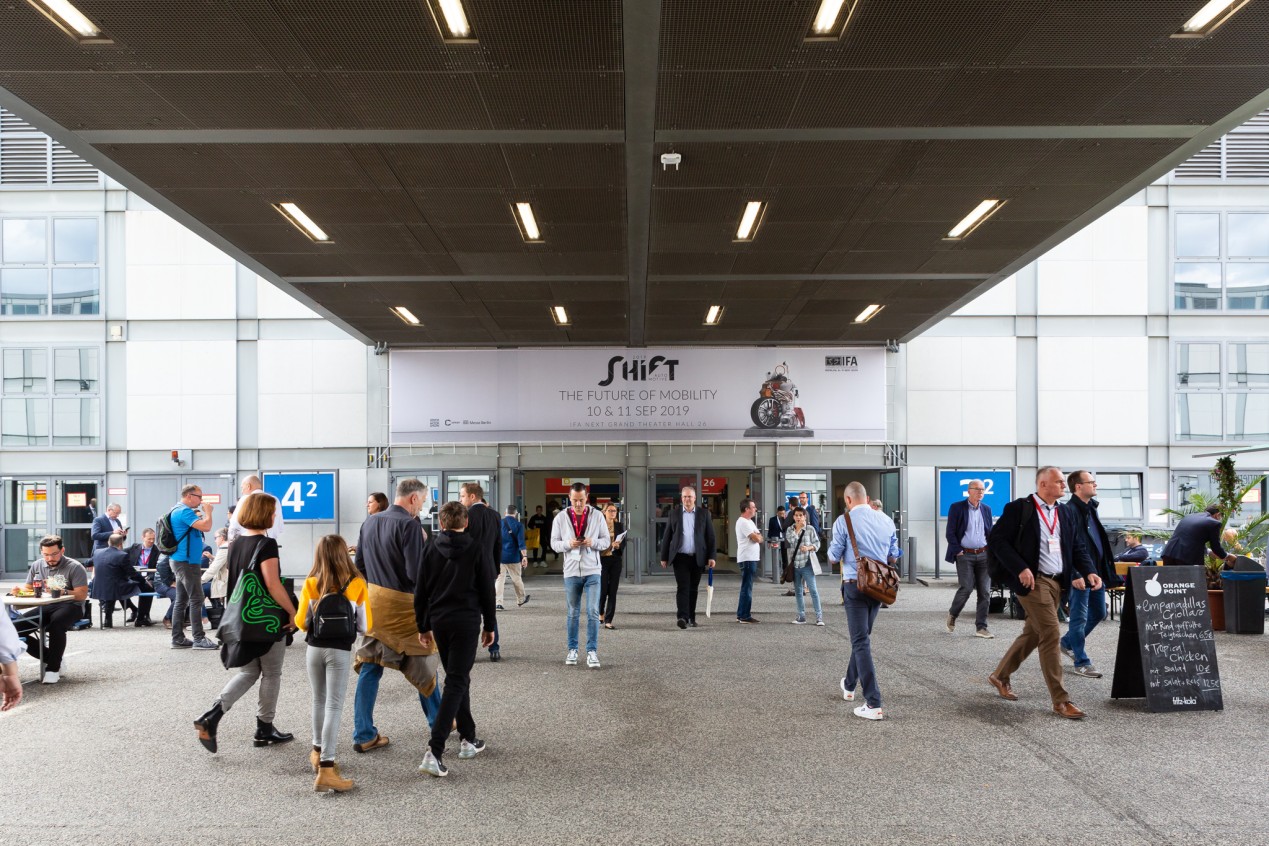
pixel 641 40
pixel 922 133
pixel 452 279
pixel 351 136
pixel 816 277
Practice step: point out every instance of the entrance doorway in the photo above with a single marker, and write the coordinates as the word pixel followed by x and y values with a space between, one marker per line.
pixel 720 491
pixel 549 489
pixel 41 505
pixel 443 487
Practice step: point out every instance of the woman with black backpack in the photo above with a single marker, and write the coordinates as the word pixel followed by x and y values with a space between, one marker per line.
pixel 333 611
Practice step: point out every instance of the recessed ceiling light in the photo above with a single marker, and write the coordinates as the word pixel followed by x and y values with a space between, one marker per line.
pixel 406 315
pixel 527 222
pixel 869 313
pixel 559 315
pixel 71 21
pixel 303 222
pixel 831 19
pixel 750 220
pixel 974 219
pixel 451 20
pixel 714 316
pixel 1208 18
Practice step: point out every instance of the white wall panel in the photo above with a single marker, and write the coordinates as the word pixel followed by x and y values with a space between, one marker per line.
pixel 312 393
pixel 934 417
pixel 274 303
pixel 187 392
pixel 1064 287
pixel 1002 299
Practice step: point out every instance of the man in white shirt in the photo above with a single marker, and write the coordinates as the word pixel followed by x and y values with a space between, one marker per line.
pixel 253 486
pixel 748 554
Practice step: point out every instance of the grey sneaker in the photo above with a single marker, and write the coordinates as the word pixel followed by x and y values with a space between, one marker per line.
pixel 204 643
pixel 571 658
pixel 1068 653
pixel 592 659
pixel 819 621
pixel 470 750
pixel 1088 672
pixel 183 643
pixel 432 765
pixel 951 624
pixel 984 633
pixel 800 621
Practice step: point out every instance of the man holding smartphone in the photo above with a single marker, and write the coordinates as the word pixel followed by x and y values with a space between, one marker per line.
pixel 190 518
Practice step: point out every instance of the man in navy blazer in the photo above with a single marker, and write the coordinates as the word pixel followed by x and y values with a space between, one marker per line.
pixel 106 525
pixel 1192 534
pixel 775 534
pixel 968 524
pixel 688 544
pixel 1041 554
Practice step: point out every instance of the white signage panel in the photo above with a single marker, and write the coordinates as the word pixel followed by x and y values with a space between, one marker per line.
pixel 586 394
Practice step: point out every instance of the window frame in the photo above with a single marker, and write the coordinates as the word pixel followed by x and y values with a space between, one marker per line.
pixel 1223 259
pixel 50 396
pixel 50 266
pixel 1222 389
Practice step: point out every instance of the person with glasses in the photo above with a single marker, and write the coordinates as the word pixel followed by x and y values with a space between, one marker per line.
pixel 968 523
pixel 190 518
pixel 1088 603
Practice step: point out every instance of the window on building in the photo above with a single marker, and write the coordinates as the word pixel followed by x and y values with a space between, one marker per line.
pixel 39 408
pixel 50 266
pixel 1119 497
pixel 1222 390
pixel 1220 261
pixel 1190 482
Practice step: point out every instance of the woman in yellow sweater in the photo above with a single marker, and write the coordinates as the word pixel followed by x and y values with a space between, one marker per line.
pixel 331 627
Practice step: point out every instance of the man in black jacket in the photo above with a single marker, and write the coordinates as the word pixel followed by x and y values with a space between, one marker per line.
pixel 1192 534
pixel 1088 606
pixel 454 590
pixel 116 580
pixel 776 527
pixel 486 531
pixel 1041 554
pixel 688 543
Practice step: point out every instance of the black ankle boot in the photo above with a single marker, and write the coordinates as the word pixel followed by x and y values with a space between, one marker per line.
pixel 266 734
pixel 206 726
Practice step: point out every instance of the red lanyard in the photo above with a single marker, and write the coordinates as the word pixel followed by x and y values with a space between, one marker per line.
pixel 1053 529
pixel 579 521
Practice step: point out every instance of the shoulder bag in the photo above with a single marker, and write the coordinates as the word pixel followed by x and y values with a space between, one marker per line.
pixel 252 615
pixel 874 579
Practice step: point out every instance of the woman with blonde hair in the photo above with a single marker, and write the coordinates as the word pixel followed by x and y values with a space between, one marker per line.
pixel 330 637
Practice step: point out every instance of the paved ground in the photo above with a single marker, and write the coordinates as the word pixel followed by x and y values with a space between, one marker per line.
pixel 727 733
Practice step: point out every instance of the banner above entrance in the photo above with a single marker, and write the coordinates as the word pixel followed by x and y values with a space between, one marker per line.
pixel 826 394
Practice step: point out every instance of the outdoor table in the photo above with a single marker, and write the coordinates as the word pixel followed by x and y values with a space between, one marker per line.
pixel 41 603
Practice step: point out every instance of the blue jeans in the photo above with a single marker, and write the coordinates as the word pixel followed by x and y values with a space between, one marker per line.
pixel 573 587
pixel 861 613
pixel 368 677
pixel 744 609
pixel 806 575
pixel 1088 608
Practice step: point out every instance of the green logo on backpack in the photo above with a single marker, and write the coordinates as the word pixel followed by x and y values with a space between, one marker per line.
pixel 258 607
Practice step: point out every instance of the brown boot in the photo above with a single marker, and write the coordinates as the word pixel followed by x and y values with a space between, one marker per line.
pixel 328 778
pixel 315 759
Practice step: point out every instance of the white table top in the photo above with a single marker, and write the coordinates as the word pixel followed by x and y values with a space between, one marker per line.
pixel 33 602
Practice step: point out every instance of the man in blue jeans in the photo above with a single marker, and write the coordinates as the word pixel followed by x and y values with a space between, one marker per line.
pixel 748 554
pixel 1088 605
pixel 580 534
pixel 874 533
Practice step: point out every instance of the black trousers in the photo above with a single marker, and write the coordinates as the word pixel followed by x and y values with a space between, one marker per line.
pixel 457 640
pixel 609 580
pixel 57 622
pixel 687 575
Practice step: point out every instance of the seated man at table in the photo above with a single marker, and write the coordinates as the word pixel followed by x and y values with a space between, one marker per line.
pixel 116 580
pixel 144 557
pixel 59 618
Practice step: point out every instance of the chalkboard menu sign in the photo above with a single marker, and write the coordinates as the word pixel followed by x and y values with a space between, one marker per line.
pixel 1167 652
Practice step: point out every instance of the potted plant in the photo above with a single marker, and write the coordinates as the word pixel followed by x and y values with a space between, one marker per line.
pixel 55 585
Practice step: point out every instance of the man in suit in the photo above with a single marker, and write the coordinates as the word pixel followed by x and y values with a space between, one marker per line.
pixel 144 556
pixel 1192 534
pixel 105 526
pixel 812 516
pixel 776 527
pixel 1041 554
pixel 689 544
pixel 968 524
pixel 1088 606
pixel 115 579
pixel 486 530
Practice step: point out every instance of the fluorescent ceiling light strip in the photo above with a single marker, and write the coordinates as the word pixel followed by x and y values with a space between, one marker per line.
pixel 714 315
pixel 306 223
pixel 972 219
pixel 406 315
pixel 455 18
pixel 826 17
pixel 1208 14
pixel 528 222
pixel 748 220
pixel 869 313
pixel 560 315
pixel 72 17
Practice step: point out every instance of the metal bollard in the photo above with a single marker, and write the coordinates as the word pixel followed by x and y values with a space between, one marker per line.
pixel 910 559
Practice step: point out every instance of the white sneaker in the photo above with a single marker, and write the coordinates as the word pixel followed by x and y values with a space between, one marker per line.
pixel 869 713
pixel 571 658
pixel 848 695
pixel 467 751
pixel 433 767
pixel 819 621
pixel 592 660
pixel 51 677
pixel 800 621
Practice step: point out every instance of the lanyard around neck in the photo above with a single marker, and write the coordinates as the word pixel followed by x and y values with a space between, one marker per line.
pixel 1053 528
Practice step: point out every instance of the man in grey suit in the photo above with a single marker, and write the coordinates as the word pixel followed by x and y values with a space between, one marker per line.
pixel 688 544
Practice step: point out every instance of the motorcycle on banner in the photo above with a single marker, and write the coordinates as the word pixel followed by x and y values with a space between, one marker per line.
pixel 774 408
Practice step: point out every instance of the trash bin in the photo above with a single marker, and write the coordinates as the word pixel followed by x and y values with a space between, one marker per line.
pixel 1244 601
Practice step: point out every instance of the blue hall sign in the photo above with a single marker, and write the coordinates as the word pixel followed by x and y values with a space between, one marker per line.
pixel 305 497
pixel 954 486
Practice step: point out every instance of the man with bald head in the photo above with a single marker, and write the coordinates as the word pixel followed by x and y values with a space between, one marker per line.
pixel 252 486
pixel 1041 555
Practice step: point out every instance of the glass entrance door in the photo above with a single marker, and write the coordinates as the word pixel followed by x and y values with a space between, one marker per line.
pixel 25 522
pixel 666 491
pixel 37 506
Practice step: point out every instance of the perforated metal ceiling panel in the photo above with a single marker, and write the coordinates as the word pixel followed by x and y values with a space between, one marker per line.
pixel 411 151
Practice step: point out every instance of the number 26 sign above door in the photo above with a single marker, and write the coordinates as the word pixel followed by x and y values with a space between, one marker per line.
pixel 305 497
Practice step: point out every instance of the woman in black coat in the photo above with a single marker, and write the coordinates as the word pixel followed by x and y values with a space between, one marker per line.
pixel 613 567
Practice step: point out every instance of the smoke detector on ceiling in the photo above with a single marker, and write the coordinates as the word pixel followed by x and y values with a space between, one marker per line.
pixel 668 159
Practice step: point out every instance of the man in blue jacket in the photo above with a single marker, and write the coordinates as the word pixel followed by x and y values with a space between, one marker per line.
pixel 515 555
pixel 968 524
